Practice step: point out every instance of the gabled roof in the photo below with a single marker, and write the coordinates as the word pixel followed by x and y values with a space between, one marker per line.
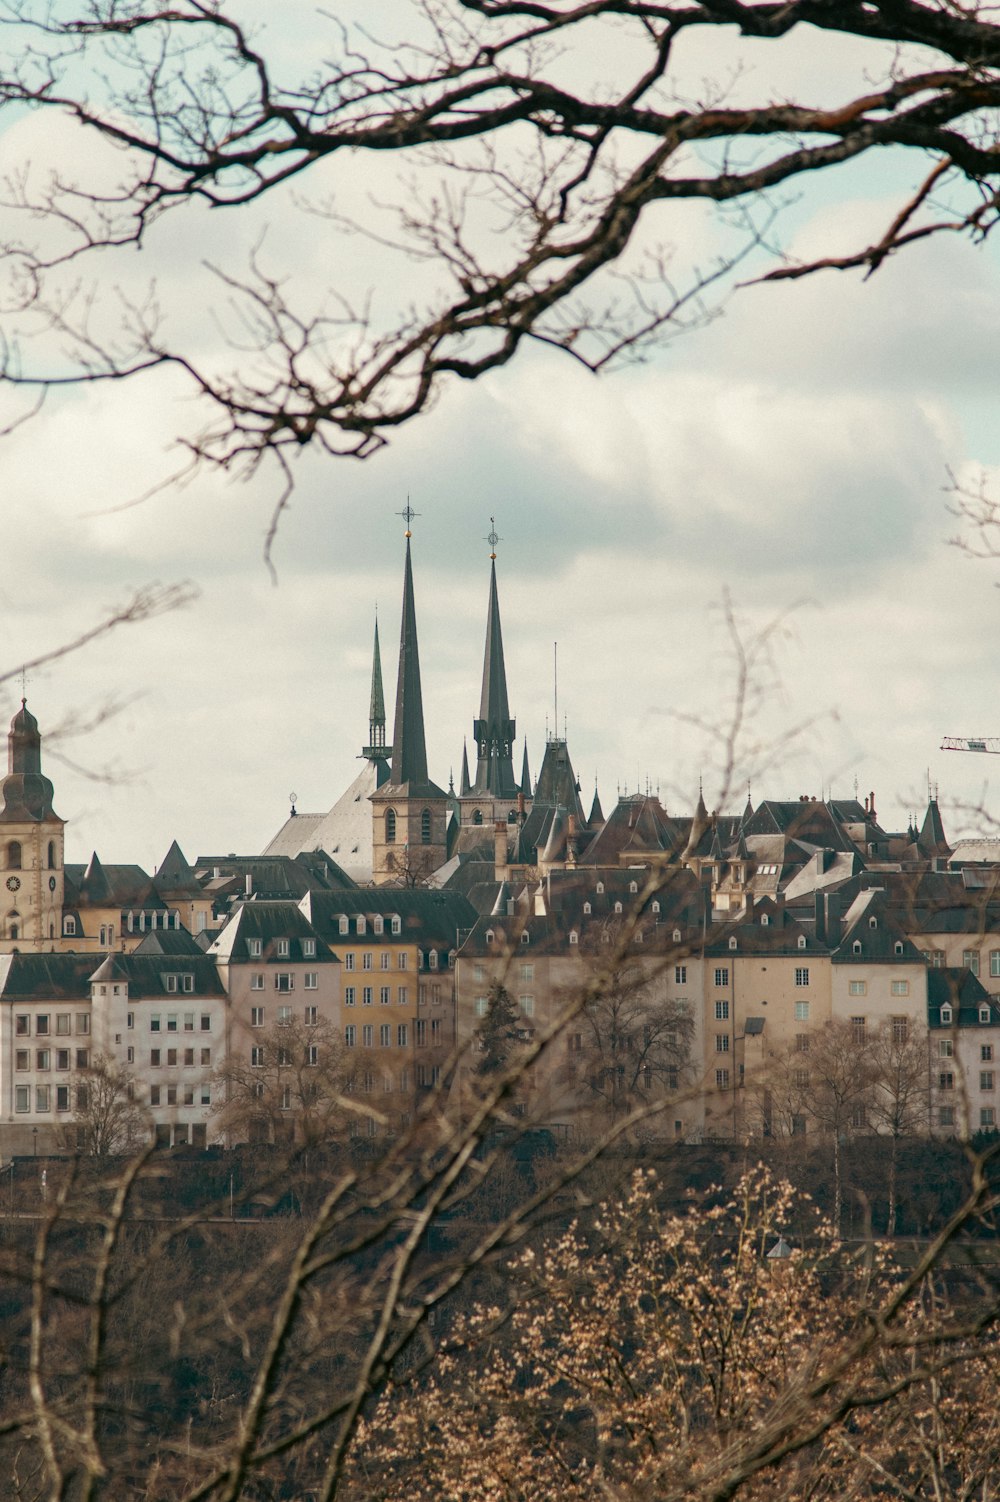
pixel 269 922
pixel 872 936
pixel 931 841
pixel 174 874
pixel 47 977
pixel 169 941
pixel 149 975
pixel 957 987
pixel 426 913
pixel 121 886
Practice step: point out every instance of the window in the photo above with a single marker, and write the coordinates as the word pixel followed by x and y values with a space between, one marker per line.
pixel 946 1116
pixel 946 1015
pixel 64 1024
pixel 154 1057
pixel 62 1058
pixel 900 1029
pixel 527 972
pixel 206 1095
pixel 425 826
pixel 722 1011
pixel 367 994
pixel 732 941
pixel 284 1016
pixel 995 961
pixel 385 1035
pixel 390 826
pixel 42 1025
pixel 366 960
pixel 857 988
pixel 257 981
pixel 396 925
pixel 349 961
pixel 802 941
pixel 970 959
pixel 402 1034
pixel 385 960
pixel 310 1016
pixel 284 1057
pixel 482 1005
pixel 69 929
pixel 722 975
pixel 680 975
pixel 802 1011
pixel 527 1005
pixel 22 1025
pixel 946 1048
pixel 435 1030
pixel 800 1078
pixel 857 1030
pixel 83 1023
pixel 189 1095
pixel 984 1014
pixel 402 996
pixel 901 988
pixel 284 980
pixel 172 1057
pixel 206 1023
pixel 946 1080
pixel 23 1059
pixel 574 937
pixel 154 1095
pixel 350 1035
pixel 171 1095
pixel 188 1058
pixel 308 949
pixel 206 1057
pixel 986 1079
pixel 377 924
pixel 129 1021
pixel 986 1053
pixel 129 1056
pixel 420 1033
pixel 801 1042
pixel 188 1020
pixel 255 948
pixel 43 1097
pixel 22 1098
pixel 368 1035
pixel 722 1042
pixel 257 1057
pixel 987 1116
pixel 802 975
pixel 62 1097
pixel 722 1079
pixel 401 963
pixel 859 1118
pixel 349 994
pixel 256 1016
pixel 171 1022
pixel 43 1059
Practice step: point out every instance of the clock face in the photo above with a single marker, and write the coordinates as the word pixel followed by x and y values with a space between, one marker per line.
pixel 13 883
pixel 52 883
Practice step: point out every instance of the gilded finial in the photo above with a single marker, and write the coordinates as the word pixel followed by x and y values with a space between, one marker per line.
pixel 493 537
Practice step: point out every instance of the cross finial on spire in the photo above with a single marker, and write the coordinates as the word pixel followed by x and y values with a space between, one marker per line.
pixel 24 687
pixel 493 537
pixel 408 514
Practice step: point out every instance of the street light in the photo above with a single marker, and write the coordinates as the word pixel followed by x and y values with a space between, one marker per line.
pixel 34 1141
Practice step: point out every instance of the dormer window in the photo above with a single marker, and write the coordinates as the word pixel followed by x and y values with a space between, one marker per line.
pixel 732 942
pixel 308 948
pixel 898 946
pixel 618 907
pixel 633 886
pixel 856 946
pixel 764 920
pixel 587 909
pixel 600 886
pixel 873 923
pixel 396 925
pixel 654 907
pixel 432 959
pixel 255 948
pixel 677 936
pixel 490 936
pixel 525 936
pixel 344 924
pixel 802 941
pixel 69 927
pixel 377 924
pixel 984 1013
pixel 362 927
pixel 452 956
pixel 946 1015
pixel 574 937
pixel 282 950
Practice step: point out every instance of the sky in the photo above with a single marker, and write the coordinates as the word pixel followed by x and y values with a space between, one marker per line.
pixel 792 458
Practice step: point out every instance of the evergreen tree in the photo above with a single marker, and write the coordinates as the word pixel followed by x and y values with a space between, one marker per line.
pixel 499 1030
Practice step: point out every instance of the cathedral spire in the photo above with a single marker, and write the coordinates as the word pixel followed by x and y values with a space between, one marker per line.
pixel 494 729
pixel 376 748
pixel 465 786
pixel 409 745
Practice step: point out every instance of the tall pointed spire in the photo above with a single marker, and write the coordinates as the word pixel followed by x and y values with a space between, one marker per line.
pixel 494 729
pixel 465 785
pixel 409 745
pixel 376 748
pixel 525 773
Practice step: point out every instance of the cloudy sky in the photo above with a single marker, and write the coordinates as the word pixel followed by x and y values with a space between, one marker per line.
pixel 792 456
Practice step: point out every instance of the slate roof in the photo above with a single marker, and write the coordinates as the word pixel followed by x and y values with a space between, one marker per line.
pixel 47 977
pixel 121 886
pixel 951 984
pixel 146 975
pixel 269 922
pixel 427 915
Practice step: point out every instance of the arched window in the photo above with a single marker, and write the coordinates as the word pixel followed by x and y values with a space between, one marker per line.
pixel 14 855
pixel 52 855
pixel 15 931
pixel 618 907
pixel 390 826
pixel 425 826
pixel 477 817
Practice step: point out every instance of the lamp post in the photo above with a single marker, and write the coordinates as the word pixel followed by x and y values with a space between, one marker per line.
pixel 34 1141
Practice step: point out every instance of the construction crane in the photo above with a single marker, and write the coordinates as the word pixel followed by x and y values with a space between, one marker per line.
pixel 988 743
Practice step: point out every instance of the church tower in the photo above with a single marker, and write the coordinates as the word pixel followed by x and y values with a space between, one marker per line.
pixel 492 796
pixel 31 845
pixel 409 812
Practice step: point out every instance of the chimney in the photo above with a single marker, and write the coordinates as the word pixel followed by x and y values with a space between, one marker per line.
pixel 499 850
pixel 820 911
pixel 249 884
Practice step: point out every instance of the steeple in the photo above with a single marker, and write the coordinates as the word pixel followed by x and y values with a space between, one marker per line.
pixel 525 773
pixel 465 786
pixel 409 746
pixel 25 794
pixel 376 749
pixel 494 730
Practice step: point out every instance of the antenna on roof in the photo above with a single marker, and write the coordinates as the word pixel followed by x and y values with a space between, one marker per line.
pixel 555 687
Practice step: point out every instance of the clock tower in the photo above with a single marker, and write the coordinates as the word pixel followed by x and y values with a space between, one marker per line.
pixel 31 845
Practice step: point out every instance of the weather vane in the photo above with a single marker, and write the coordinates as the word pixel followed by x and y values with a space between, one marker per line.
pixel 493 537
pixel 408 514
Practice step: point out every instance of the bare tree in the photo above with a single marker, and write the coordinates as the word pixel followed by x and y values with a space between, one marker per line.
pixel 107 1118
pixel 295 1082
pixel 898 1105
pixel 539 168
